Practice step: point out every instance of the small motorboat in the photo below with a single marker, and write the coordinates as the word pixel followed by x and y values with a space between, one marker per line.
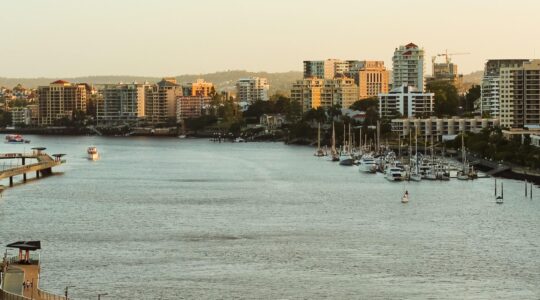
pixel 16 139
pixel 405 198
pixel 93 153
pixel 239 140
pixel 499 200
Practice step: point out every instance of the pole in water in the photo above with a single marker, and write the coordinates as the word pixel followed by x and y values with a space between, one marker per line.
pixel 525 188
pixel 531 191
pixel 495 187
pixel 502 190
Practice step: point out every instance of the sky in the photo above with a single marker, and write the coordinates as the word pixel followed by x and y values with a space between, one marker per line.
pixel 67 38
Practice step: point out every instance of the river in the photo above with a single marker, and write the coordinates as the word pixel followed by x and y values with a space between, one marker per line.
pixel 164 218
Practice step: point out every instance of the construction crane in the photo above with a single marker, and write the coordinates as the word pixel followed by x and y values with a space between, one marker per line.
pixel 447 56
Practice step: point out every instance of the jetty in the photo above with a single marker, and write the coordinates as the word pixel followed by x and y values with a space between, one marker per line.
pixel 20 274
pixel 42 166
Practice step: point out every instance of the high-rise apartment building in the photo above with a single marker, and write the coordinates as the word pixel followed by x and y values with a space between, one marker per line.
pixel 21 116
pixel 371 78
pixel 198 88
pixel 315 92
pixel 121 104
pixel 308 92
pixel 491 82
pixel 520 94
pixel 407 101
pixel 191 106
pixel 408 66
pixel 249 90
pixel 331 68
pixel 60 99
pixel 160 101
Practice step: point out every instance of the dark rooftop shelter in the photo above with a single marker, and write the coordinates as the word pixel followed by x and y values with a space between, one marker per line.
pixel 27 246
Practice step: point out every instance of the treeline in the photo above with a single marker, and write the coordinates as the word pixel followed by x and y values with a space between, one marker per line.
pixel 491 144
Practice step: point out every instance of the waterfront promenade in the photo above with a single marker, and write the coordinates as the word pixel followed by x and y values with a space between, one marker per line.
pixel 20 275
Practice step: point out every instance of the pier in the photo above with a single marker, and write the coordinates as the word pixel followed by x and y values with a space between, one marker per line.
pixel 43 166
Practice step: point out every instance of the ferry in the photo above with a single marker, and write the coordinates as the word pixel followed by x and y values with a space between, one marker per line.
pixel 16 139
pixel 93 153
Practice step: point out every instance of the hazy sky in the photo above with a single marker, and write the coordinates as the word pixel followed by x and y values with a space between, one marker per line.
pixel 64 38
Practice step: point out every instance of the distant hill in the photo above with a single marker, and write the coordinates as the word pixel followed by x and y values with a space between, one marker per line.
pixel 473 78
pixel 279 82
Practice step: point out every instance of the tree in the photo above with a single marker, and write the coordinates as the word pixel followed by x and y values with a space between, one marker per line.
pixel 315 114
pixel 293 111
pixel 365 104
pixel 5 118
pixel 446 98
pixel 467 101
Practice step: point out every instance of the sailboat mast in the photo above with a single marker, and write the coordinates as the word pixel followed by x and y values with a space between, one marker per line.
pixel 319 137
pixel 333 138
pixel 416 146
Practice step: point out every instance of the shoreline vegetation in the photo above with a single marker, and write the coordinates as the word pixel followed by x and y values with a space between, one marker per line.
pixel 285 120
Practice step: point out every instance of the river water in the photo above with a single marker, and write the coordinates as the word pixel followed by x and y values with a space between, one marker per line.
pixel 171 219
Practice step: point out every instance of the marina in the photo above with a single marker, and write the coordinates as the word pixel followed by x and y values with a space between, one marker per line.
pixel 195 222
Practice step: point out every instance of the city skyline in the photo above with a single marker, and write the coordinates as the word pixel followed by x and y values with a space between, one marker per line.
pixel 166 38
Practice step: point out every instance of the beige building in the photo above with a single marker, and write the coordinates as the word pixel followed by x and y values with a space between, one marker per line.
pixel 160 101
pixel 519 102
pixel 198 88
pixel 442 126
pixel 315 92
pixel 121 104
pixel 372 79
pixel 491 84
pixel 250 90
pixel 60 99
pixel 191 106
pixel 307 92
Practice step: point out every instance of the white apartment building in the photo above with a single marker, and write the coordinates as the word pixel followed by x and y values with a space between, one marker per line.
pixel 442 126
pixel 121 104
pixel 21 116
pixel 249 90
pixel 408 66
pixel 407 101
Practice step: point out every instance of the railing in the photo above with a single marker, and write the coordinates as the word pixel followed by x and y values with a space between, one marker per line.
pixel 49 296
pixel 9 296
pixel 44 294
pixel 34 259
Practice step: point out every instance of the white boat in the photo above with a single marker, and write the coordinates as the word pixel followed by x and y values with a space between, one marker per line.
pixel 93 153
pixel 367 164
pixel 239 140
pixel 415 177
pixel 394 174
pixel 405 198
pixel 182 136
pixel 499 200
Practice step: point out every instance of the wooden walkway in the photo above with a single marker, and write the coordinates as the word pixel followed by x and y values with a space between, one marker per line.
pixel 31 275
